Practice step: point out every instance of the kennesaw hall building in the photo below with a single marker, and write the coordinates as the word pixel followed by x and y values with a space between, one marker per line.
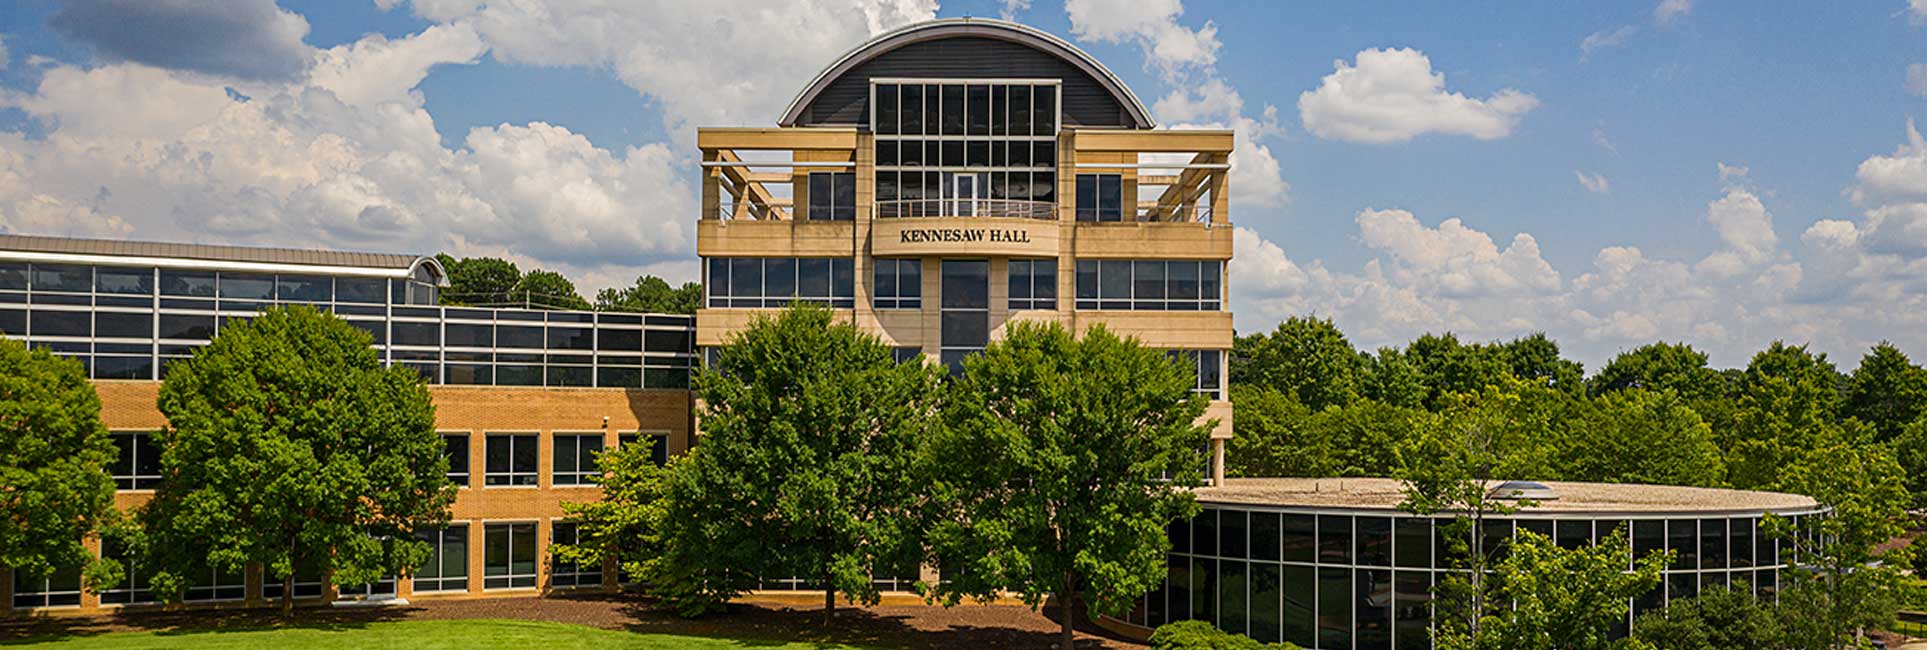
pixel 931 186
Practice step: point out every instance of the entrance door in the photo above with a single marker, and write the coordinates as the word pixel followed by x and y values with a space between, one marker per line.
pixel 965 190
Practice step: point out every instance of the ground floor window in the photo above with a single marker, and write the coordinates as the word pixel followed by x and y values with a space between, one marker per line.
pixel 58 589
pixel 564 574
pixel 383 587
pixel 308 581
pixel 447 565
pixel 134 587
pixel 508 556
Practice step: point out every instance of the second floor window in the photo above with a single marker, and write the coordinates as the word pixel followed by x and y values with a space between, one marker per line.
pixel 899 284
pixel 511 460
pixel 832 196
pixel 1100 197
pixel 455 446
pixel 1033 284
pixel 138 465
pixel 756 282
pixel 1150 285
pixel 1208 366
pixel 575 459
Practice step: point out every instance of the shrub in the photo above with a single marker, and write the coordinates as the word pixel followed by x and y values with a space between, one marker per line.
pixel 1199 635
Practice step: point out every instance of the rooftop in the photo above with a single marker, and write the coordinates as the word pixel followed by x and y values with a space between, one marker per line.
pixel 1598 498
pixel 399 264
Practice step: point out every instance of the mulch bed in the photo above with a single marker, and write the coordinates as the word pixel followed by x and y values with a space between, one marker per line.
pixel 965 627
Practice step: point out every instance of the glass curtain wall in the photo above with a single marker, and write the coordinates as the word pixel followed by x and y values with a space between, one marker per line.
pixel 966 149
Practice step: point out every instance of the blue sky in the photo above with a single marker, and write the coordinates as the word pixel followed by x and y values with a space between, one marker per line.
pixel 1723 173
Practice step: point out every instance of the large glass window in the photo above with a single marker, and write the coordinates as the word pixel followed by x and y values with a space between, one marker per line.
pixel 309 577
pixel 1100 197
pixel 509 556
pixel 965 316
pixel 1334 607
pixel 62 278
pixel 511 460
pixel 135 586
pixel 747 282
pixel 124 281
pixel 138 465
pixel 1207 367
pixel 566 574
pixel 60 588
pixel 1155 285
pixel 966 149
pixel 1412 609
pixel 832 196
pixel 574 458
pixel 447 565
pixel 455 447
pixel 1334 539
pixel 1033 284
pixel 899 284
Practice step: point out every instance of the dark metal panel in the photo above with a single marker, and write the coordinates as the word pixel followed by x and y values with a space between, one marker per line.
pixel 845 102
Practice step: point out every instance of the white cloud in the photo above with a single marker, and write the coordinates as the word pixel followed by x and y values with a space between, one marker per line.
pixel 1455 260
pixel 1012 8
pixel 1917 12
pixel 1393 96
pixel 1746 229
pixel 1670 10
pixel 1732 172
pixel 1603 39
pixel 1170 48
pixel 1599 138
pixel 1594 183
pixel 375 70
pixel 722 62
pixel 1916 83
pixel 1897 178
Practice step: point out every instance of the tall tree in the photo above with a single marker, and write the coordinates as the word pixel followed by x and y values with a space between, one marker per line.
pixel 1887 391
pixel 1788 397
pixel 1641 436
pixel 1721 617
pixel 1391 377
pixel 630 524
pixel 1910 451
pixel 1449 367
pixel 54 455
pixel 1659 367
pixel 1307 358
pixel 1842 583
pixel 541 289
pixel 810 431
pixel 652 294
pixel 1552 597
pixel 1535 358
pixel 1269 437
pixel 1049 478
pixel 478 280
pixel 287 441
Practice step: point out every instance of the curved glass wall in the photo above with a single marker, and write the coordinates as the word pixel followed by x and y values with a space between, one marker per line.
pixel 1362 579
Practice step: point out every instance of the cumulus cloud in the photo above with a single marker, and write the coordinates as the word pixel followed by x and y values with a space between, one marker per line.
pixel 1746 229
pixel 251 39
pixel 1594 183
pixel 1603 39
pixel 1917 12
pixel 1670 10
pixel 1392 95
pixel 1012 8
pixel 668 50
pixel 1170 48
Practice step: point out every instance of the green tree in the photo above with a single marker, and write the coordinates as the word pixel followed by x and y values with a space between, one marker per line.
pixel 1842 584
pixel 1449 367
pixel 1307 358
pixel 629 524
pixel 1049 478
pixel 1640 436
pixel 1660 367
pixel 1535 358
pixel 652 294
pixel 478 280
pixel 541 289
pixel 1788 397
pixel 1269 436
pixel 1721 617
pixel 1550 597
pixel 1887 392
pixel 810 432
pixel 1910 450
pixel 54 454
pixel 287 441
pixel 1392 378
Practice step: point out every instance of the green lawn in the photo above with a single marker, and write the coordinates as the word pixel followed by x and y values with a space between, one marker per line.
pixel 413 635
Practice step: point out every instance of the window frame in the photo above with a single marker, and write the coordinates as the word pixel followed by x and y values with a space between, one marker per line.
pixel 509 579
pixel 576 476
pixel 512 478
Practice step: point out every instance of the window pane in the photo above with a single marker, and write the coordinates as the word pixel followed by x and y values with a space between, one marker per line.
pixel 1300 545
pixel 746 277
pixel 1087 279
pixel 108 324
pixel 1413 541
pixel 953 109
pixel 247 287
pixel 912 109
pixel 1020 110
pixel 518 336
pixel 843 197
pixel 1233 611
pixel 966 284
pixel 886 109
pixel 1115 280
pixel 1148 280
pixel 1374 541
pixel 1300 605
pixel 1334 607
pixel 189 283
pixel 360 290
pixel 1264 535
pixel 56 277
pixel 125 281
pixel 1044 111
pixel 1334 539
pixel 303 288
pixel 1086 197
pixel 61 323
pixel 820 196
pixel 978 101
pixel 813 277
pixel 13 276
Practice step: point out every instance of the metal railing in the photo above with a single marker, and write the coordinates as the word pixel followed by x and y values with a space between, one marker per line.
pixel 1196 213
pixel 1001 208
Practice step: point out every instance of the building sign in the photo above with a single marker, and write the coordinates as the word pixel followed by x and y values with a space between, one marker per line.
pixel 951 236
pixel 993 235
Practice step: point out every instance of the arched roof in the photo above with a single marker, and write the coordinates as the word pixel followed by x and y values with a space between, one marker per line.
pixel 970 27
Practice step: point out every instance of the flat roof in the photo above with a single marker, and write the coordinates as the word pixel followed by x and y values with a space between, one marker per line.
pixel 1384 494
pixel 109 251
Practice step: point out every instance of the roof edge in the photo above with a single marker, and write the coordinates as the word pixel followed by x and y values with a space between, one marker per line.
pixel 942 27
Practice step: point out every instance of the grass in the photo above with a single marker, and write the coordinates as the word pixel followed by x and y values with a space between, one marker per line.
pixel 414 635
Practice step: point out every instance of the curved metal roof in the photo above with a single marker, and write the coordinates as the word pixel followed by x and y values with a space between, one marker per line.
pixel 981 27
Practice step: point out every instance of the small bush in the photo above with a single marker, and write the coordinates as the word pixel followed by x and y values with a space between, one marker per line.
pixel 1199 635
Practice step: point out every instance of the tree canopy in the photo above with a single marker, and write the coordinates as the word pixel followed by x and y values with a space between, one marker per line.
pixel 54 456
pixel 1049 476
pixel 652 294
pixel 289 443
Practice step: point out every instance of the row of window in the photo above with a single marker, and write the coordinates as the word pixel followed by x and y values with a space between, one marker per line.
pixel 1174 285
pixel 913 156
pixel 509 561
pixel 118 286
pixel 965 109
pixel 1150 285
pixel 778 281
pixel 509 459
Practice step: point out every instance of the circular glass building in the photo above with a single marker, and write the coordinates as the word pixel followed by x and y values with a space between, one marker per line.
pixel 1333 563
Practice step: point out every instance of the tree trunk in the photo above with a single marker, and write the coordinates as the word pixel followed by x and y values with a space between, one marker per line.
pixel 287 596
pixel 1066 597
pixel 829 600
